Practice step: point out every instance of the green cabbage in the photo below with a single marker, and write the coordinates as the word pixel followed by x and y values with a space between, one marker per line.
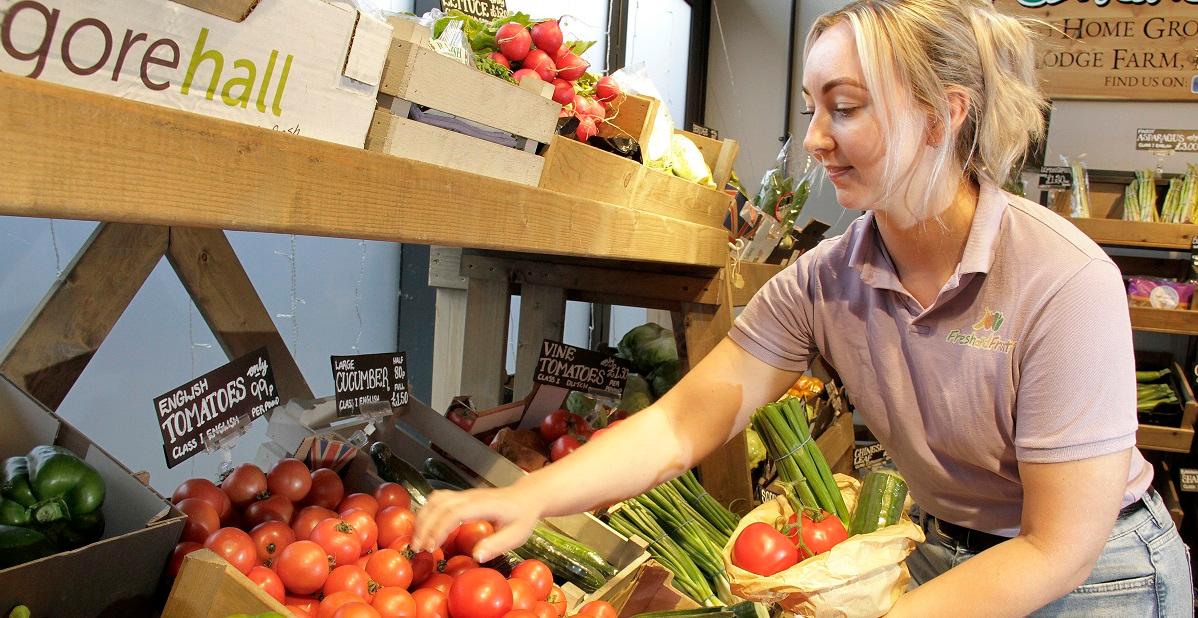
pixel 648 346
pixel 665 376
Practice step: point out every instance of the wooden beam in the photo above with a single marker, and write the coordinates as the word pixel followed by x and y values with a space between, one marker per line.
pixel 542 316
pixel 448 344
pixel 485 341
pixel 73 154
pixel 226 298
pixel 52 349
pixel 753 276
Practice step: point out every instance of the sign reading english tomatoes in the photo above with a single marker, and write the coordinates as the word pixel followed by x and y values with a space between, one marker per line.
pixel 1115 49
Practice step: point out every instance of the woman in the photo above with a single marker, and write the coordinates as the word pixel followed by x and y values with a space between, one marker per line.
pixel 984 340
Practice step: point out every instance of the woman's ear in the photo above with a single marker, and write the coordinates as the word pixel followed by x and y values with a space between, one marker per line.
pixel 958 111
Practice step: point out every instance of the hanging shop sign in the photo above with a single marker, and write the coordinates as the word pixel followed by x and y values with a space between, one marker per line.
pixel 216 403
pixel 369 378
pixel 1114 49
pixel 479 9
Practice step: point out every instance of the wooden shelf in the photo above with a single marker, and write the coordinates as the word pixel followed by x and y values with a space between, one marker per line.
pixel 72 154
pixel 1173 321
pixel 1119 233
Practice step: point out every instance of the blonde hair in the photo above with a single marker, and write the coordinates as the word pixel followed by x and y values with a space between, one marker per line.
pixel 921 50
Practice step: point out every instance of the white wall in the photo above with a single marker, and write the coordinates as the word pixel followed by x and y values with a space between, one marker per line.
pixel 161 341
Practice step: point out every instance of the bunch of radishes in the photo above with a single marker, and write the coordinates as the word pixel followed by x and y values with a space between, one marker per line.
pixel 539 52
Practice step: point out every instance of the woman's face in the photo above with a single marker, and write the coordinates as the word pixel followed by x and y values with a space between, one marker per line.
pixel 845 135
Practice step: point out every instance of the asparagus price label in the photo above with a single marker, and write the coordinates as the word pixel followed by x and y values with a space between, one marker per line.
pixel 580 369
pixel 1172 140
pixel 369 378
pixel 485 10
pixel 212 404
pixel 1189 479
pixel 1055 177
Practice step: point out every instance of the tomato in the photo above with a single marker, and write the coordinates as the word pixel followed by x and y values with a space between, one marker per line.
pixel 274 508
pixel 339 539
pixel 458 564
pixel 394 602
pixel 202 519
pixel 563 446
pixel 480 593
pixel 356 610
pixel 389 568
pixel 333 602
pixel 304 521
pixel 267 580
pixel 327 489
pixel 289 478
pixel 392 494
pixel 353 579
pixel 523 595
pixel 439 581
pixel 520 613
pixel 396 525
pixel 451 542
pixel 557 599
pixel 299 612
pixel 470 533
pixel 207 491
pixel 270 538
pixel 538 575
pixel 303 566
pixel 235 546
pixel 425 564
pixel 820 532
pixel 598 609
pixel 365 502
pixel 559 423
pixel 544 610
pixel 431 603
pixel 244 485
pixel 307 604
pixel 365 526
pixel 763 550
pixel 177 556
pixel 363 560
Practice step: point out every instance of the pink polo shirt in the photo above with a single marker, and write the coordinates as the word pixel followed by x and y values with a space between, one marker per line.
pixel 1026 355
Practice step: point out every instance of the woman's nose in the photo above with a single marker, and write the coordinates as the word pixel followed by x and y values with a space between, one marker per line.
pixel 817 141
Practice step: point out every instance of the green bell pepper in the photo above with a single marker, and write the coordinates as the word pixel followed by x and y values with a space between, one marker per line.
pixel 55 492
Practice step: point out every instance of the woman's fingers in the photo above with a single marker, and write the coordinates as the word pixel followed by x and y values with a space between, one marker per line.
pixel 507 537
pixel 446 510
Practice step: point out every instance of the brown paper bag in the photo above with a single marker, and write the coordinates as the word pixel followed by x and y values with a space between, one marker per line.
pixel 861 577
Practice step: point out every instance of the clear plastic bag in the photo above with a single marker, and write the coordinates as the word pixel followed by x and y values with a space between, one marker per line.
pixel 786 186
pixel 453 44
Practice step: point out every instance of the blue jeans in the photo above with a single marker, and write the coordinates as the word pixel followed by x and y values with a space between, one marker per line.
pixel 1144 570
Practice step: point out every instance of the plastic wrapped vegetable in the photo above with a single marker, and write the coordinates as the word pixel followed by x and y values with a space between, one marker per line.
pixel 687 162
pixel 53 491
pixel 637 394
pixel 755 447
pixel 580 403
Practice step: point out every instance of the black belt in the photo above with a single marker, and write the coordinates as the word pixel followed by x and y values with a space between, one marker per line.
pixel 977 541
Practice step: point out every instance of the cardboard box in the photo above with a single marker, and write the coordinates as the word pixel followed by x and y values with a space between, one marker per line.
pixel 307 67
pixel 115 576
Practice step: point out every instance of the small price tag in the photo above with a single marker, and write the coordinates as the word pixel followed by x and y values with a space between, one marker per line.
pixel 486 10
pixel 869 456
pixel 1189 479
pixel 580 369
pixel 1056 177
pixel 366 379
pixel 214 405
pixel 1167 140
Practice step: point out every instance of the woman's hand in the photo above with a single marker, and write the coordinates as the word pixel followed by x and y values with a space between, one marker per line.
pixel 511 510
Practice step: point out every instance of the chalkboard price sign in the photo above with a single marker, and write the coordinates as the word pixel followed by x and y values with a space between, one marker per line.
pixel 369 378
pixel 580 369
pixel 486 10
pixel 197 411
pixel 1057 177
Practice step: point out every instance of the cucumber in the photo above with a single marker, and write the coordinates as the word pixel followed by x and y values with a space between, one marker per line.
pixel 441 471
pixel 561 561
pixel 744 609
pixel 579 552
pixel 20 545
pixel 880 503
pixel 395 470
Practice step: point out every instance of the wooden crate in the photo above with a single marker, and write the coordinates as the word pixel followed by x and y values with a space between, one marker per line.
pixel 415 74
pixel 720 155
pixel 1169 439
pixel 574 168
pixel 209 587
pixel 630 116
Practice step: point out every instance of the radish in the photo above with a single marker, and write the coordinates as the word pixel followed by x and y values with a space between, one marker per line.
pixel 571 67
pixel 586 129
pixel 540 62
pixel 563 92
pixel 606 89
pixel 525 73
pixel 501 59
pixel 587 108
pixel 547 36
pixel 514 41
pixel 562 51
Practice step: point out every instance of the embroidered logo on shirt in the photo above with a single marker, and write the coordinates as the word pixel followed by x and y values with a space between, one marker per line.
pixel 985 334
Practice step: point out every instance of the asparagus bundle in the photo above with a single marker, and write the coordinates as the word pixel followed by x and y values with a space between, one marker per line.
pixel 783 427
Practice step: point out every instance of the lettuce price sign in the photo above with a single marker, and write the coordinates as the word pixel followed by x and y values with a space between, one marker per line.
pixel 199 410
pixel 485 10
pixel 1115 49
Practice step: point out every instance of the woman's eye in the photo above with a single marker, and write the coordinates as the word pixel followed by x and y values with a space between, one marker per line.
pixel 844 112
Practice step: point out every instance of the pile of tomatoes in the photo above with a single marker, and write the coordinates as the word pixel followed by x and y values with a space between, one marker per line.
pixel 324 554
pixel 565 431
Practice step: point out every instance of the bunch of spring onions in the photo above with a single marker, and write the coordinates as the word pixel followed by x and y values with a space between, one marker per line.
pixel 783 427
pixel 1139 198
pixel 1181 202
